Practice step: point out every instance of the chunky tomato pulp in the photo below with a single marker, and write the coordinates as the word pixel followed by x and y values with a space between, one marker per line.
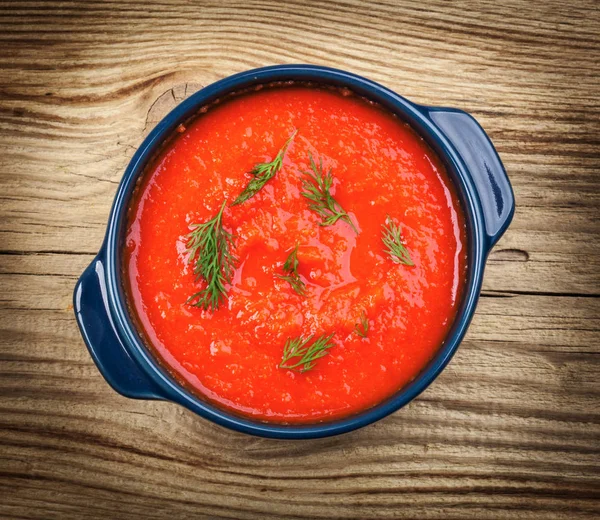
pixel 380 167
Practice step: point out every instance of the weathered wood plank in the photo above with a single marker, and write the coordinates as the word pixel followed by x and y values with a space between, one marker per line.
pixel 524 406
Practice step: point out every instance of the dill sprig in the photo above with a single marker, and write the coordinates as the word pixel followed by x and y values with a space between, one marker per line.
pixel 263 173
pixel 362 328
pixel 292 277
pixel 393 240
pixel 298 353
pixel 209 246
pixel 317 189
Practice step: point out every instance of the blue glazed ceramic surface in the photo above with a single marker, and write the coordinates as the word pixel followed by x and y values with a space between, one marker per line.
pixel 471 161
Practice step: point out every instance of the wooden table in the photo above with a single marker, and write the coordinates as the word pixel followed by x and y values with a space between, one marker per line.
pixel 510 430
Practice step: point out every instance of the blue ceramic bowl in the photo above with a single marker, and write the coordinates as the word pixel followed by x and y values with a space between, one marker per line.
pixel 99 299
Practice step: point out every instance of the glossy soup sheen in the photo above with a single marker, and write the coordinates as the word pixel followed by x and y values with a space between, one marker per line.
pixel 381 167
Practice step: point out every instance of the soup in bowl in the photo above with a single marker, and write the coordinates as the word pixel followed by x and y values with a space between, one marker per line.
pixel 294 253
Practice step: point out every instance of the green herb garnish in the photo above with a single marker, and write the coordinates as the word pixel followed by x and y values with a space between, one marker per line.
pixel 297 353
pixel 393 240
pixel 263 173
pixel 292 277
pixel 362 328
pixel 209 246
pixel 317 189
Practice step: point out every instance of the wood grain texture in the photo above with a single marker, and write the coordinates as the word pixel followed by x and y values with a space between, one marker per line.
pixel 510 430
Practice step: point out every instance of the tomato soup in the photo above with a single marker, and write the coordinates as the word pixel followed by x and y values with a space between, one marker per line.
pixel 373 312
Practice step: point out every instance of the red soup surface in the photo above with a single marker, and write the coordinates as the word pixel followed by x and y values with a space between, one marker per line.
pixel 380 167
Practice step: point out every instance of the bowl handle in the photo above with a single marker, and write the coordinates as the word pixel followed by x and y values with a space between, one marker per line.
pixel 90 301
pixel 483 164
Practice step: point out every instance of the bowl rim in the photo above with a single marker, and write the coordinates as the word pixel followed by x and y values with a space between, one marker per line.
pixel 414 114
